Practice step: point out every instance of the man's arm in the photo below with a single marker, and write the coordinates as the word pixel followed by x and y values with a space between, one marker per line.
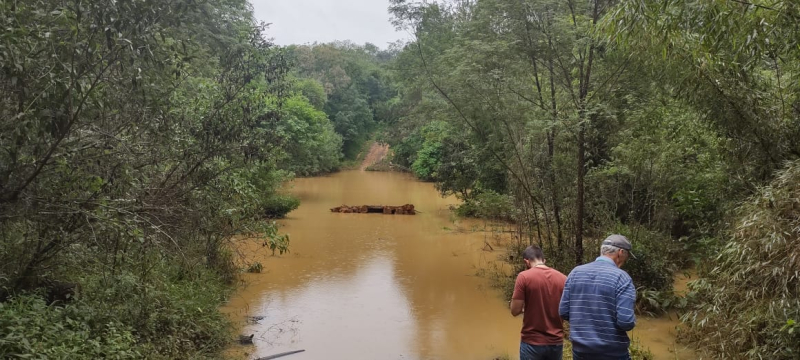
pixel 517 307
pixel 626 299
pixel 517 304
pixel 563 306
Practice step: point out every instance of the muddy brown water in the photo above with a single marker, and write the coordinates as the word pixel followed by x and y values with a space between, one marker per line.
pixel 373 286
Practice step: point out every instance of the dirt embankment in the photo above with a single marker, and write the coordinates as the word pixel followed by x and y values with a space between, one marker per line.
pixel 377 152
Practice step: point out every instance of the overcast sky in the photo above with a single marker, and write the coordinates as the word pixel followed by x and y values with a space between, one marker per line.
pixel 307 21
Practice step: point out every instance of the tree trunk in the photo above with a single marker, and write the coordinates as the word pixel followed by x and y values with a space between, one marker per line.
pixel 551 138
pixel 580 199
pixel 584 92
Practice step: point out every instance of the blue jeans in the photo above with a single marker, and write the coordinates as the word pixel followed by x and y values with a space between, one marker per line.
pixel 540 352
pixel 577 356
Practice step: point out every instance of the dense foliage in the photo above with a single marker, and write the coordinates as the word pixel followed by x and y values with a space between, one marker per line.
pixel 520 98
pixel 753 292
pixel 654 119
pixel 351 85
pixel 135 139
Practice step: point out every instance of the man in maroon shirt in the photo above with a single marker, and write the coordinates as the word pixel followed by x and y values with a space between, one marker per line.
pixel 537 294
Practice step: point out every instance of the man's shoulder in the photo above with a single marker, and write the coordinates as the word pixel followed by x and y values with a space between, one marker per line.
pixel 555 272
pixel 585 268
pixel 526 274
pixel 535 273
pixel 625 276
pixel 596 267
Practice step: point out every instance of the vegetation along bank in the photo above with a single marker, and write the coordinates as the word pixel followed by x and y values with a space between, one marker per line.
pixel 137 138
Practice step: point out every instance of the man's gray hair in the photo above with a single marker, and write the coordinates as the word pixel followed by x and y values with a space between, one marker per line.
pixel 608 249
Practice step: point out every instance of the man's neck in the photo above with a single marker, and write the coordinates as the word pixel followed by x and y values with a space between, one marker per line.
pixel 612 260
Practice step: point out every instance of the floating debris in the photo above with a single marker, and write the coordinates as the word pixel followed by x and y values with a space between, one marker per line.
pixel 246 339
pixel 254 319
pixel 406 209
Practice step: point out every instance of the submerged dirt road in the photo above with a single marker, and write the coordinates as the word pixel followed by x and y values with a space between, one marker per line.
pixel 375 154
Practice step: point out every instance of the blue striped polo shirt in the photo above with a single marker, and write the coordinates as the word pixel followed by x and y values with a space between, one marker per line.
pixel 598 302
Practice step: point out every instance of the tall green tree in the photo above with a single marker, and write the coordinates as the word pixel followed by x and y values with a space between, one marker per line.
pixel 526 75
pixel 360 95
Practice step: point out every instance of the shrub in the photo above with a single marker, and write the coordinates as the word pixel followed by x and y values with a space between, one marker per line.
pixel 488 205
pixel 31 329
pixel 277 206
pixel 273 240
pixel 385 164
pixel 747 304
pixel 655 302
pixel 427 161
pixel 174 312
pixel 255 267
pixel 170 313
pixel 656 257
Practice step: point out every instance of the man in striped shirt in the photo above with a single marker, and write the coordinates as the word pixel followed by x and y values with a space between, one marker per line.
pixel 598 302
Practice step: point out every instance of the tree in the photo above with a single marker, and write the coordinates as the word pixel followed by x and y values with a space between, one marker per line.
pixel 311 144
pixel 503 66
pixel 136 138
pixel 359 93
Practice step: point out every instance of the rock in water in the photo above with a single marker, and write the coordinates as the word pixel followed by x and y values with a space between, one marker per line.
pixel 246 339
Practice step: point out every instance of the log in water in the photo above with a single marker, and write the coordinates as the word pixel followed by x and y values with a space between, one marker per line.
pixel 406 209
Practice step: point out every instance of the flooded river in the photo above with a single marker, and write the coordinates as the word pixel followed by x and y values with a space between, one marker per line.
pixel 373 286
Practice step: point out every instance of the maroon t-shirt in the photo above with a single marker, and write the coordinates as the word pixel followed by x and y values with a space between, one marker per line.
pixel 540 288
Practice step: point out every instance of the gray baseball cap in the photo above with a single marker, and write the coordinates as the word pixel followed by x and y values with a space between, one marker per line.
pixel 621 242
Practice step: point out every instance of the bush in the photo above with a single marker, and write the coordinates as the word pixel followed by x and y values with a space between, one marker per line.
pixel 657 256
pixel 655 302
pixel 277 206
pixel 423 150
pixel 169 314
pixel 748 303
pixel 427 161
pixel 488 205
pixel 31 329
pixel 255 268
pixel 175 312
